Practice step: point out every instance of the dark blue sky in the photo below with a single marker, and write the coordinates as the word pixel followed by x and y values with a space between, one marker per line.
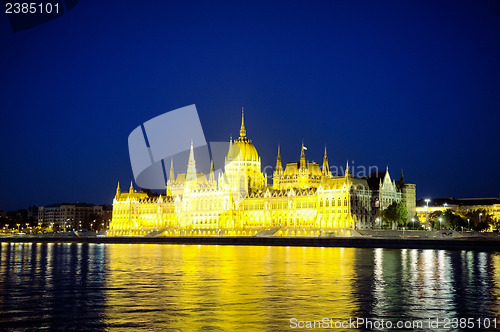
pixel 409 84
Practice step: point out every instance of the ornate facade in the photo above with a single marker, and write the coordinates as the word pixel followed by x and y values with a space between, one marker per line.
pixel 304 199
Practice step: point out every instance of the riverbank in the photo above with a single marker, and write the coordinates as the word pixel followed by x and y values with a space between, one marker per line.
pixel 464 243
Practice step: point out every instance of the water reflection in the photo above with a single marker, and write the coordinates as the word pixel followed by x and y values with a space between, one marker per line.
pixel 47 286
pixel 179 288
pixel 220 287
pixel 420 284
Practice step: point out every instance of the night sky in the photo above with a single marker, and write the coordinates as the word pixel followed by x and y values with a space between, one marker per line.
pixel 410 84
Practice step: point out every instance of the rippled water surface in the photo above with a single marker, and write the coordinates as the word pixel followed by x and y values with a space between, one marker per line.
pixel 227 288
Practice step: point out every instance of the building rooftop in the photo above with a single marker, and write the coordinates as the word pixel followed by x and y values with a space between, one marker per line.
pixel 459 201
pixel 75 204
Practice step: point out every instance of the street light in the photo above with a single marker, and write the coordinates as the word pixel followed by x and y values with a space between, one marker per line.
pixel 468 223
pixel 413 222
pixel 440 219
pixel 379 223
pixel 427 200
pixel 480 218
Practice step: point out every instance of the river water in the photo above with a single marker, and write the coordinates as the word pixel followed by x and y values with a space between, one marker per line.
pixel 129 287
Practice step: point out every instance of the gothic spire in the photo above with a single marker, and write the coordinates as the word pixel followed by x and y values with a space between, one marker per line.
pixel 118 192
pixel 326 168
pixel 387 177
pixel 279 167
pixel 172 175
pixel 230 145
pixel 131 190
pixel 212 177
pixel 347 169
pixel 302 157
pixel 191 169
pixel 243 132
pixel 402 178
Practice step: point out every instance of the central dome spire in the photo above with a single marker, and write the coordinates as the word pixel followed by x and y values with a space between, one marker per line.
pixel 242 149
pixel 243 132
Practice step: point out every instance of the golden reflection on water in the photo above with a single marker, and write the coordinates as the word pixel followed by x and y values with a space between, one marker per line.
pixel 193 287
pixel 62 286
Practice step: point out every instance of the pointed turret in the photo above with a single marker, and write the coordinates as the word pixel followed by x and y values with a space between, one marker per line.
pixel 278 172
pixel 229 155
pixel 131 190
pixel 387 177
pixel 347 169
pixel 303 174
pixel 191 169
pixel 118 192
pixel 211 179
pixel 279 167
pixel 302 164
pixel 402 178
pixel 171 178
pixel 326 168
pixel 386 182
pixel 243 132
pixel 172 174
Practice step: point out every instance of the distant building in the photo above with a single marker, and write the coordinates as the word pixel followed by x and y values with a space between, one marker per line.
pixel 387 191
pixel 107 214
pixel 304 199
pixel 32 213
pixel 459 205
pixel 67 215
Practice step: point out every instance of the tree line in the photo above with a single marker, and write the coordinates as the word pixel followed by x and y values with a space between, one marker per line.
pixel 396 216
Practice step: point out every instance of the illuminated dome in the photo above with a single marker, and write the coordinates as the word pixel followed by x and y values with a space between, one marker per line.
pixel 242 149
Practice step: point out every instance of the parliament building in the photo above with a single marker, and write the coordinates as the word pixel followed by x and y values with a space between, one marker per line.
pixel 305 199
